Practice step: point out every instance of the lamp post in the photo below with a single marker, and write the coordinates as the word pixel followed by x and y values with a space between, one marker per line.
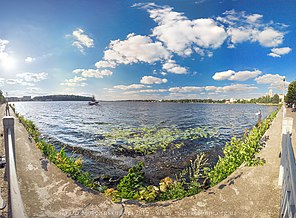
pixel 284 108
pixel 284 81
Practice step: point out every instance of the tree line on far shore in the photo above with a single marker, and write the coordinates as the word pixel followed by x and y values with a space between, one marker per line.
pixel 264 100
pixel 289 98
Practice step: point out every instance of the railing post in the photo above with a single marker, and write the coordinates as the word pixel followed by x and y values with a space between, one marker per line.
pixel 16 207
pixel 8 123
pixel 287 127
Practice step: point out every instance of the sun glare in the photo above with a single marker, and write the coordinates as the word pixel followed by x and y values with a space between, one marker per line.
pixel 8 63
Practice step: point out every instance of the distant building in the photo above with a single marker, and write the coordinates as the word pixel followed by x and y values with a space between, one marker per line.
pixel 24 98
pixel 27 98
pixel 12 99
pixel 232 100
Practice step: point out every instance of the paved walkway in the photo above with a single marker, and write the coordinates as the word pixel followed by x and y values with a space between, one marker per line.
pixel 248 192
pixel 48 192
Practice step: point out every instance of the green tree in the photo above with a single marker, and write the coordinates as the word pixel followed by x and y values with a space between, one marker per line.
pixel 2 98
pixel 276 99
pixel 291 95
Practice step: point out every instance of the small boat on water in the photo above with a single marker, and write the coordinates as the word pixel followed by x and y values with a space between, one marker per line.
pixel 93 102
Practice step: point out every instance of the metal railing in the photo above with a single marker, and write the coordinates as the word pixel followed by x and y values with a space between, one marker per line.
pixel 16 207
pixel 287 171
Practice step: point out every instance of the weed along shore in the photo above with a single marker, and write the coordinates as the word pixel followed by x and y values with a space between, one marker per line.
pixel 201 190
pixel 49 192
pixel 193 179
pixel 249 191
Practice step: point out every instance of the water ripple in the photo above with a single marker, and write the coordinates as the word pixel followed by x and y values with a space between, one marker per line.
pixel 77 124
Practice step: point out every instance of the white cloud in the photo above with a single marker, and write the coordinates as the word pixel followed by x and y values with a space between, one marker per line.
pixel 7 61
pixel 172 67
pixel 3 53
pixel 223 75
pixel 199 51
pixel 278 52
pixel 185 89
pixel 105 64
pixel 175 33
pixel 230 88
pixel 133 86
pixel 241 34
pixel 134 49
pixel 24 83
pixel 270 37
pixel 93 73
pixel 152 80
pixel 19 81
pixel 146 91
pixel 27 79
pixel 269 79
pixel 242 27
pixel 13 81
pixel 153 90
pixel 179 33
pixel 29 59
pixel 274 80
pixel 2 81
pixel 238 88
pixel 211 88
pixel 217 89
pixel 236 76
pixel 32 77
pixel 253 18
pixel 76 81
pixel 81 40
pixel 34 89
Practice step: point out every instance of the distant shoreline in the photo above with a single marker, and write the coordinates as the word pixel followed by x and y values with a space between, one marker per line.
pixel 187 101
pixel 176 102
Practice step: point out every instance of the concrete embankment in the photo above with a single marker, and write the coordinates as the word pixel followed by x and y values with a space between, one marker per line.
pixel 248 192
pixel 48 192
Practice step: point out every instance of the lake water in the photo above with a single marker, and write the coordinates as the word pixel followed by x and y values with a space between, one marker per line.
pixel 79 125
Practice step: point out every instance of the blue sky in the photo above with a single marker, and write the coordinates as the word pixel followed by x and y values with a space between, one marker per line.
pixel 165 49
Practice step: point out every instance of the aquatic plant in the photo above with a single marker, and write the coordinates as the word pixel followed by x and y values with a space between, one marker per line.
pixel 239 151
pixel 195 177
pixel 70 165
pixel 30 127
pixel 132 186
pixel 188 182
pixel 130 183
pixel 147 140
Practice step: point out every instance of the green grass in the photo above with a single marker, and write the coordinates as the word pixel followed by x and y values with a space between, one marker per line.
pixel 239 151
pixel 188 182
pixel 69 165
pixel 192 180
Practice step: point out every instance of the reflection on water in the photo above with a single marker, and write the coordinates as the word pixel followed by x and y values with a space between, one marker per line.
pixel 81 125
